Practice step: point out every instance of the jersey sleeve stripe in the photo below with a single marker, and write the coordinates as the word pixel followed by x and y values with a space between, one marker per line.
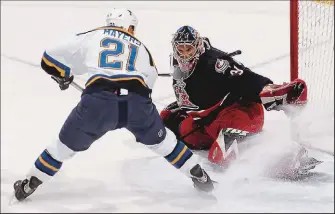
pixel 115 78
pixel 152 63
pixel 63 69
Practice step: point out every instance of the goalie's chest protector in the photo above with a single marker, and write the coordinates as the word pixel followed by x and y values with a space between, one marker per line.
pixel 206 86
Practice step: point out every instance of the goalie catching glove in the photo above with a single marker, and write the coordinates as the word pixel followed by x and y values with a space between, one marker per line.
pixel 275 96
pixel 173 116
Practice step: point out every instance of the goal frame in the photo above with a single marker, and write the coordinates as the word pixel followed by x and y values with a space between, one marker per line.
pixel 294 35
pixel 294 39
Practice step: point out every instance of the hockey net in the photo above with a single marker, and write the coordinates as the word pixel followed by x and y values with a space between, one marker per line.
pixel 312 48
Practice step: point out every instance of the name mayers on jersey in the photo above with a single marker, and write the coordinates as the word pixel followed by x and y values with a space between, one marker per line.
pixel 121 35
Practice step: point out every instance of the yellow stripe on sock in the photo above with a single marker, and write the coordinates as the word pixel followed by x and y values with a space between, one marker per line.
pixel 47 165
pixel 179 156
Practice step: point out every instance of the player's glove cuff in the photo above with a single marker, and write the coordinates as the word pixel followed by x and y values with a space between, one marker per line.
pixel 63 82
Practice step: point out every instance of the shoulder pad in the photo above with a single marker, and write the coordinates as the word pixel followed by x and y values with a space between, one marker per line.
pixel 83 33
pixel 216 53
pixel 207 43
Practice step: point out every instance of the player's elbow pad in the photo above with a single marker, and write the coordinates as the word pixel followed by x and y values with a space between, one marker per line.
pixel 49 69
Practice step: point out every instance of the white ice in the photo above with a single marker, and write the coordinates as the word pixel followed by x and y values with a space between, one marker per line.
pixel 119 175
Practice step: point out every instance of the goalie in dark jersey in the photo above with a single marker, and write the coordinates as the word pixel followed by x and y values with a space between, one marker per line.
pixel 220 101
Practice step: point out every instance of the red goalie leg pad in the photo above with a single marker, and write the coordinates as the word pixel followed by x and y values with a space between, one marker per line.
pixel 215 153
pixel 219 155
pixel 249 118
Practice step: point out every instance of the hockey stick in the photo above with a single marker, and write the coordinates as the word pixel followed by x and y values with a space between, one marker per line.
pixel 308 146
pixel 237 52
pixel 77 86
pixel 73 83
pixel 165 75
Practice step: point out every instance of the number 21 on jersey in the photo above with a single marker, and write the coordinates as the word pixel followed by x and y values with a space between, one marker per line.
pixel 115 48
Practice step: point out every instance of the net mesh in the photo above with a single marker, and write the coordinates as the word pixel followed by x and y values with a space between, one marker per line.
pixel 316 50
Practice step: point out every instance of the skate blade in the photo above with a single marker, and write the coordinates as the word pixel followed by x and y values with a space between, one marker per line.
pixel 215 184
pixel 207 196
pixel 12 200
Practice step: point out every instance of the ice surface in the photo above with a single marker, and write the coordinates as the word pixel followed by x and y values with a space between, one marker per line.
pixel 119 175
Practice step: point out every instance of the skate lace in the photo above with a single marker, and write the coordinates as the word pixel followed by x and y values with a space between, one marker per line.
pixel 26 188
pixel 203 178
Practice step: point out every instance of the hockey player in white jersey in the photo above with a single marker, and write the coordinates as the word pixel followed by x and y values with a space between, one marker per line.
pixel 117 95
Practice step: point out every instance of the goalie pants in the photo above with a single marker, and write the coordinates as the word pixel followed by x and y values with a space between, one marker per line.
pixel 249 117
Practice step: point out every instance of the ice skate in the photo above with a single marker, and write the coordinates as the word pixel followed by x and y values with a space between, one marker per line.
pixel 304 163
pixel 24 188
pixel 201 179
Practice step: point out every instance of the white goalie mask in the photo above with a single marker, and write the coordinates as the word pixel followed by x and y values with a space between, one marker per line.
pixel 187 47
pixel 121 18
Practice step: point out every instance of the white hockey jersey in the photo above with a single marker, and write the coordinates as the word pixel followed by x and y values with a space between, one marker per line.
pixel 106 53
